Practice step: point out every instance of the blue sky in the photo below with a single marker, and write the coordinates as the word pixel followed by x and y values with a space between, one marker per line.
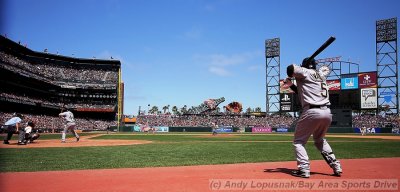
pixel 182 52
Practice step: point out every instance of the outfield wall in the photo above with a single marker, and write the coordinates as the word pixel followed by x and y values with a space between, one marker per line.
pixel 252 130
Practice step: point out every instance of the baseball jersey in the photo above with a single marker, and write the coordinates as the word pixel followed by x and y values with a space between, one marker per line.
pixel 68 116
pixel 13 121
pixel 311 87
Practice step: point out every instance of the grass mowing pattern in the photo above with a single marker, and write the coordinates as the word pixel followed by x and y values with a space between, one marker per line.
pixel 181 151
pixel 206 137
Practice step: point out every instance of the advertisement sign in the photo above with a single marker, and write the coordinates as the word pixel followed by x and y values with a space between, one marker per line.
pixel 367 80
pixel 261 129
pixel 368 130
pixel 369 98
pixel 137 128
pixel 388 93
pixel 286 101
pixel 282 130
pixel 333 85
pixel 387 97
pixel 224 129
pixel 129 120
pixel 349 81
pixel 161 129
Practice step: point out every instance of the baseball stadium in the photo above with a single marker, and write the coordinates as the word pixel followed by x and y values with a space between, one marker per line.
pixel 216 145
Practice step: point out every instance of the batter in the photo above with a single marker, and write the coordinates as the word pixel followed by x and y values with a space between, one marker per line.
pixel 70 124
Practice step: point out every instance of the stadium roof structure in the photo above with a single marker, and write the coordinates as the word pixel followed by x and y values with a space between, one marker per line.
pixel 9 44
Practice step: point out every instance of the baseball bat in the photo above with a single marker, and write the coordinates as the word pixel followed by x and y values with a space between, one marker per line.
pixel 323 47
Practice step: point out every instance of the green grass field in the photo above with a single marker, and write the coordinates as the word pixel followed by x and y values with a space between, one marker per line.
pixel 183 150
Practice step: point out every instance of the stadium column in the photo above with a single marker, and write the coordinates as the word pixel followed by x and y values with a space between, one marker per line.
pixel 120 100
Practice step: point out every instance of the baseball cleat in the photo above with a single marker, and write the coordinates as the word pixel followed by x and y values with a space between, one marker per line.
pixel 63 142
pixel 21 143
pixel 6 142
pixel 301 173
pixel 337 170
pixel 337 173
pixel 77 139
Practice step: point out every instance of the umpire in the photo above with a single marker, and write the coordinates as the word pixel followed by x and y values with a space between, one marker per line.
pixel 12 126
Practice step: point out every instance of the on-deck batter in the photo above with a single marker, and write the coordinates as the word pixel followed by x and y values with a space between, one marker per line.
pixel 315 118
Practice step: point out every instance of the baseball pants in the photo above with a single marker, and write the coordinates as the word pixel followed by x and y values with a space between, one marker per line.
pixel 313 122
pixel 10 130
pixel 71 127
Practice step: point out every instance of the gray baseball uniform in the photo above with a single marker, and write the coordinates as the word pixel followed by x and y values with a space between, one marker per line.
pixel 315 118
pixel 70 124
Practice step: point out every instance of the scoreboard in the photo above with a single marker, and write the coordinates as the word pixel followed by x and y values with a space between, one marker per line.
pixel 355 91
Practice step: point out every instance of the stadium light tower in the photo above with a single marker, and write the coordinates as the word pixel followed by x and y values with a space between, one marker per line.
pixel 272 54
pixel 387 65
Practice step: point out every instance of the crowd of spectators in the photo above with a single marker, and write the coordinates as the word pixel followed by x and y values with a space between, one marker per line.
pixel 67 75
pixel 373 121
pixel 56 72
pixel 37 100
pixel 50 123
pixel 54 123
pixel 207 121
pixel 275 121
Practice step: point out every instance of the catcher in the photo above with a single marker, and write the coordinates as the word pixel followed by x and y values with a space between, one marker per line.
pixel 31 133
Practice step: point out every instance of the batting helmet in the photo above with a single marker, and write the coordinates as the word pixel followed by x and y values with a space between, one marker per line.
pixel 309 64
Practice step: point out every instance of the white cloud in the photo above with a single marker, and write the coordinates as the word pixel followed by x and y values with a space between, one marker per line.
pixel 223 60
pixel 223 65
pixel 220 71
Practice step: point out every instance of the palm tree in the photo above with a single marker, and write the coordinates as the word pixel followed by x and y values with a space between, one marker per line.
pixel 184 109
pixel 165 109
pixel 154 110
pixel 258 109
pixel 175 110
pixel 248 110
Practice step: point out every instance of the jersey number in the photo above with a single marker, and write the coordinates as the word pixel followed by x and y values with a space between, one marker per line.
pixel 324 88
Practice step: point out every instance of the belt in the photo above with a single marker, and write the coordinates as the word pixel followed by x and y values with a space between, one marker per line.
pixel 318 106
